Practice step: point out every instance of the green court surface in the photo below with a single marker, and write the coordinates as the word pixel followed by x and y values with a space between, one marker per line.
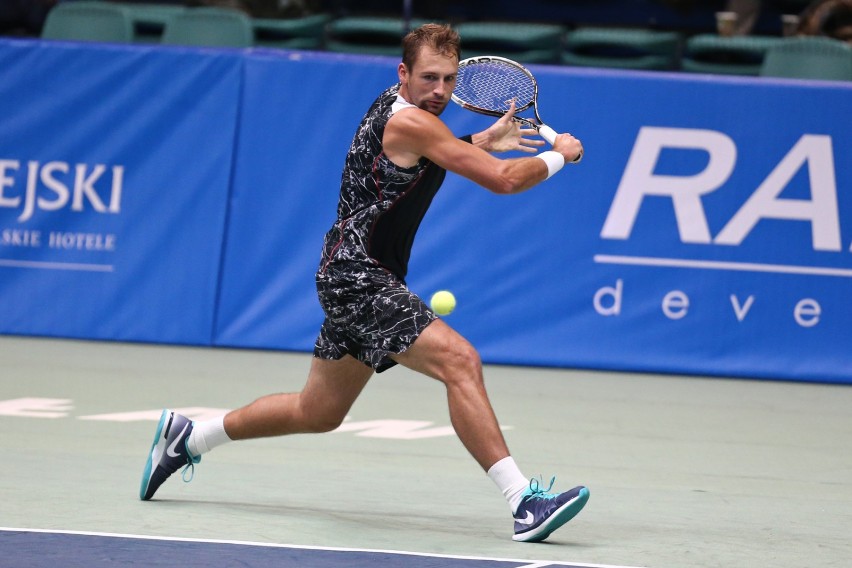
pixel 683 471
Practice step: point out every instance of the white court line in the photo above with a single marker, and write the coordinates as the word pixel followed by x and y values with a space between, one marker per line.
pixel 57 265
pixel 719 265
pixel 523 563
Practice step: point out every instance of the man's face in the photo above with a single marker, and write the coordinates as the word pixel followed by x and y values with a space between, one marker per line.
pixel 431 80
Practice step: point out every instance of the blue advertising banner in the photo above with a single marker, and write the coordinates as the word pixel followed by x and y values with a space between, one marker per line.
pixel 114 171
pixel 165 194
pixel 702 233
pixel 295 129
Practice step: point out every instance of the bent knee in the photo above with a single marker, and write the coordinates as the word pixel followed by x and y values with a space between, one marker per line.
pixel 320 424
pixel 318 420
pixel 463 365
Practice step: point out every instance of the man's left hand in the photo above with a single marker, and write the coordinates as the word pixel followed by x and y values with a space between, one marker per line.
pixel 506 134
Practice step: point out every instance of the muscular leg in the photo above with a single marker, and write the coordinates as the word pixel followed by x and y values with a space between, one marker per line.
pixel 329 393
pixel 441 353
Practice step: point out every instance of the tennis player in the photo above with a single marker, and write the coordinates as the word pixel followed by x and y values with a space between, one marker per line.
pixel 395 165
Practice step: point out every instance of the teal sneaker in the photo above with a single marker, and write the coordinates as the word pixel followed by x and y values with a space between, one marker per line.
pixel 168 454
pixel 540 513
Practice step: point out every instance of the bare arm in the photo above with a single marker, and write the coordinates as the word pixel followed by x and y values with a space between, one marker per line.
pixel 412 133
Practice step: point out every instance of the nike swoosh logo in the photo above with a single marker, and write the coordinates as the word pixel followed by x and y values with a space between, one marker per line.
pixel 170 451
pixel 528 520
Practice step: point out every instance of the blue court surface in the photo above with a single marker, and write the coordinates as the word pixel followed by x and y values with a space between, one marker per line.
pixel 36 549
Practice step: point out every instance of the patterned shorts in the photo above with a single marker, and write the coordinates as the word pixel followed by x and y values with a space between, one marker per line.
pixel 369 314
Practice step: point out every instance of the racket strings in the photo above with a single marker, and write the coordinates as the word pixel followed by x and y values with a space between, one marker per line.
pixel 492 86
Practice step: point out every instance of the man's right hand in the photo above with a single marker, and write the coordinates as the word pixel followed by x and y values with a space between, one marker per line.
pixel 571 148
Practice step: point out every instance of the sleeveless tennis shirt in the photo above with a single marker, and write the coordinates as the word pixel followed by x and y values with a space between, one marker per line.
pixel 381 204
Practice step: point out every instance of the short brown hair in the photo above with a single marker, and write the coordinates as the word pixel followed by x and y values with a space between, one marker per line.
pixel 440 37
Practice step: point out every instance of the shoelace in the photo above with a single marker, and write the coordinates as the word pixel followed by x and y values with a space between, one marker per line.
pixel 537 491
pixel 190 465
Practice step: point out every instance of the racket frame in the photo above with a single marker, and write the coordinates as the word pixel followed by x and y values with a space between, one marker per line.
pixel 545 131
pixel 538 124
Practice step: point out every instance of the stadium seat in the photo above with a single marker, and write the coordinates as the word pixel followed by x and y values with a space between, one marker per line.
pixel 149 20
pixel 526 43
pixel 624 48
pixel 371 36
pixel 809 58
pixel 212 27
pixel 292 33
pixel 737 55
pixel 88 21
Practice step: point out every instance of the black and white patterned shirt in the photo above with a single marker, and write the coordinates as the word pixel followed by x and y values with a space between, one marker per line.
pixel 381 204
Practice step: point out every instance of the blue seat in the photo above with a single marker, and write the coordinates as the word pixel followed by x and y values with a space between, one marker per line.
pixel 211 27
pixel 737 55
pixel 809 58
pixel 291 33
pixel 623 48
pixel 149 20
pixel 523 42
pixel 88 21
pixel 367 35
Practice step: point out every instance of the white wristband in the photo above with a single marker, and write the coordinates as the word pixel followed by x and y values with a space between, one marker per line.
pixel 554 161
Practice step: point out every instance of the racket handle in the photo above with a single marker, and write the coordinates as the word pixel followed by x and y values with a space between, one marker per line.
pixel 547 133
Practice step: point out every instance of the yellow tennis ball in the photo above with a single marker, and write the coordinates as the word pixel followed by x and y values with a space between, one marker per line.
pixel 443 302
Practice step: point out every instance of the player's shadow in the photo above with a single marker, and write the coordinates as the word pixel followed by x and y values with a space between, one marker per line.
pixel 330 513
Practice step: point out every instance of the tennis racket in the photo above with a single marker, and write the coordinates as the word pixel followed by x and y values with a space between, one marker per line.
pixel 487 84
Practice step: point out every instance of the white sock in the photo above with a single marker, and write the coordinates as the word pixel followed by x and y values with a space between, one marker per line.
pixel 207 435
pixel 509 480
